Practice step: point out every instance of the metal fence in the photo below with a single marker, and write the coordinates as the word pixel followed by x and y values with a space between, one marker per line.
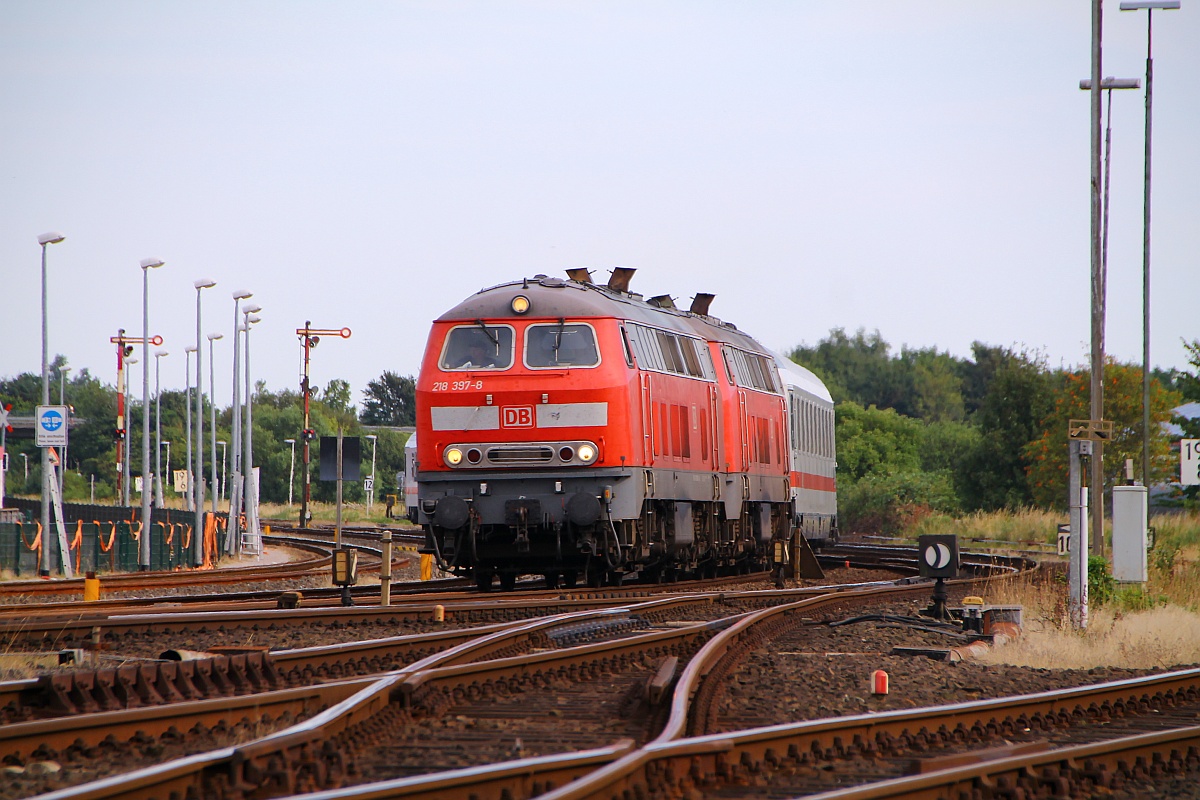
pixel 106 539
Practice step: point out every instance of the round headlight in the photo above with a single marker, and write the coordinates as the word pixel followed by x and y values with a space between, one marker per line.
pixel 566 453
pixel 453 456
pixel 520 304
pixel 587 453
pixel 474 456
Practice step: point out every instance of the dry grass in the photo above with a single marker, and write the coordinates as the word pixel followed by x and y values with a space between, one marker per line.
pixel 1167 635
pixel 1026 525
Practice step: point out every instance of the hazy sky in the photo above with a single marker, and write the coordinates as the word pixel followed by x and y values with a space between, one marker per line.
pixel 918 167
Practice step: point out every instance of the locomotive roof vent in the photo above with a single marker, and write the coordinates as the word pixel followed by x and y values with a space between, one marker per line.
pixel 701 302
pixel 580 275
pixel 553 283
pixel 662 301
pixel 619 282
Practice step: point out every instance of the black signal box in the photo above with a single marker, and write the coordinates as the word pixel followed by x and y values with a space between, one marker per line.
pixel 351 455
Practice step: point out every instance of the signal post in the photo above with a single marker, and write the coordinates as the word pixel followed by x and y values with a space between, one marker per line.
pixel 309 337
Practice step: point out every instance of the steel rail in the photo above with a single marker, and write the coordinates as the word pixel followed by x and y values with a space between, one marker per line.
pixel 243 768
pixel 1075 771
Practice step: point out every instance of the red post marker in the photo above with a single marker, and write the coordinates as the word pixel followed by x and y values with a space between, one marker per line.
pixel 847 563
pixel 879 682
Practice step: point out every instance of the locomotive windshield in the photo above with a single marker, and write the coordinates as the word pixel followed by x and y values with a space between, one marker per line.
pixel 560 344
pixel 478 346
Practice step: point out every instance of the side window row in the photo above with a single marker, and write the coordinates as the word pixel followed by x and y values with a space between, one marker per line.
pixel 812 427
pixel 666 351
pixel 752 370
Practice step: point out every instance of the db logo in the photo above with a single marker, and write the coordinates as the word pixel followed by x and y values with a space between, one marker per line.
pixel 516 417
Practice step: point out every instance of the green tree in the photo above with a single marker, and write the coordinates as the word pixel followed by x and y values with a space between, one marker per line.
pixel 1047 454
pixel 391 399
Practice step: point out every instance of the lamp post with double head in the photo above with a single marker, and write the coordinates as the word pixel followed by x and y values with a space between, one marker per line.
pixel 144 542
pixel 198 530
pixel 158 490
pixel 249 498
pixel 233 534
pixel 1149 6
pixel 45 240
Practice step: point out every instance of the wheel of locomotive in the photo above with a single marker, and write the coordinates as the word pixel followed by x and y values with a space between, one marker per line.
pixel 508 581
pixel 483 579
pixel 551 580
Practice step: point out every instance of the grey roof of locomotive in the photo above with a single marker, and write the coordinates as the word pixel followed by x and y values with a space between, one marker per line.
pixel 553 298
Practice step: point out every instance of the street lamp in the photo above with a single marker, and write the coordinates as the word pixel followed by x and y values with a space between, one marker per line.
pixel 291 469
pixel 167 443
pixel 212 405
pixel 1149 6
pixel 45 240
pixel 250 503
pixel 62 401
pixel 371 493
pixel 158 490
pixel 144 548
pixel 233 534
pixel 221 485
pixel 189 504
pixel 198 530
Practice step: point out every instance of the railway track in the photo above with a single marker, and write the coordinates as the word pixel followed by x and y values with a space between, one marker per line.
pixel 628 669
pixel 487 708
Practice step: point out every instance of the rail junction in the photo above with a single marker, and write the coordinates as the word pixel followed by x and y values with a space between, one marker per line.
pixel 723 688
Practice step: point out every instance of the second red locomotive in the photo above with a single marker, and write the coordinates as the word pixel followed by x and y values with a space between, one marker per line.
pixel 576 430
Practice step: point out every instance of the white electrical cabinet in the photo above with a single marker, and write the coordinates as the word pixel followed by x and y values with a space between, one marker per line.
pixel 1130 509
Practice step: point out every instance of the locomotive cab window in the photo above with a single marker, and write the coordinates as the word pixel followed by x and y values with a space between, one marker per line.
pixel 560 344
pixel 478 346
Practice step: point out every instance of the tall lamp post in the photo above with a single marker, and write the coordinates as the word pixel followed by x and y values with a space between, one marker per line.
pixel 144 542
pixel 190 503
pixel 62 401
pixel 158 490
pixel 45 240
pixel 221 485
pixel 233 532
pixel 371 493
pixel 1149 6
pixel 167 444
pixel 198 530
pixel 249 496
pixel 212 405
pixel 291 469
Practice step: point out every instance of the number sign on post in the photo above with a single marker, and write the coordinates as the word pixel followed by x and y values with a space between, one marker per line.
pixel 1189 462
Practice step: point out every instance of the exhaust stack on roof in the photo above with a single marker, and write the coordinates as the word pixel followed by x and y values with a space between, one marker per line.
pixel 619 282
pixel 701 302
pixel 662 301
pixel 580 274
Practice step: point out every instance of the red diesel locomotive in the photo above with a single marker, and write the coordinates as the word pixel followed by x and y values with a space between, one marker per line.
pixel 572 430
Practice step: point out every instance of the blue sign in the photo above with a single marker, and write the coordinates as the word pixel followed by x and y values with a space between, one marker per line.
pixel 51 430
